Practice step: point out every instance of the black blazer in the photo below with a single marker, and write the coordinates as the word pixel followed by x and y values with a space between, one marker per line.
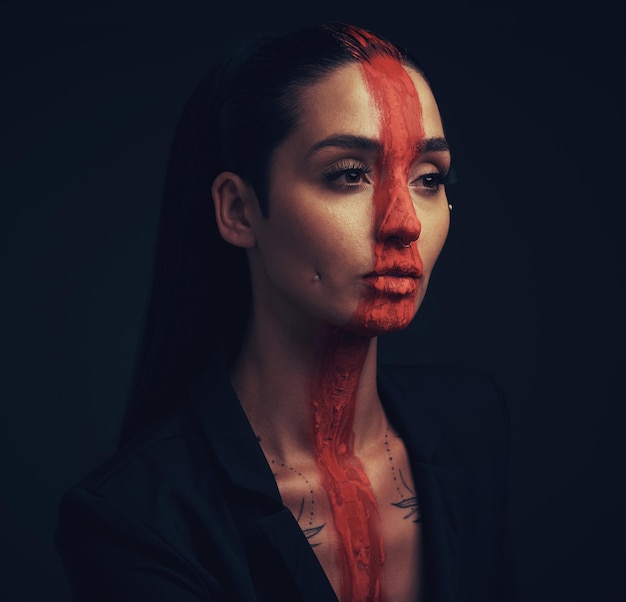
pixel 190 510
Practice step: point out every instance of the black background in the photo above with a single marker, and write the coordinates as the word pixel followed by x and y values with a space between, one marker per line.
pixel 529 287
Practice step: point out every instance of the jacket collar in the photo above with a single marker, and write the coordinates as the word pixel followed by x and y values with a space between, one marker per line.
pixel 407 396
pixel 267 528
pixel 228 433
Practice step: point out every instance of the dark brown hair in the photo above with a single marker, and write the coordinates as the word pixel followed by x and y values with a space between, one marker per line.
pixel 239 113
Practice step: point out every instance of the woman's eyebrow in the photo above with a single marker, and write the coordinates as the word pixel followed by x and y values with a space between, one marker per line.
pixel 429 145
pixel 347 141
pixel 350 141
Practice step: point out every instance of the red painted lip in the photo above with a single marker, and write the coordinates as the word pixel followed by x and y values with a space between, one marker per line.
pixel 396 272
pixel 393 284
pixel 397 279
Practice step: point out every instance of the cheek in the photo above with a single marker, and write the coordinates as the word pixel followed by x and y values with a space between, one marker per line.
pixel 335 238
pixel 303 244
pixel 433 237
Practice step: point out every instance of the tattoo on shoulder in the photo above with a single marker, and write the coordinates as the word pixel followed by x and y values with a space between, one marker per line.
pixel 408 503
pixel 310 532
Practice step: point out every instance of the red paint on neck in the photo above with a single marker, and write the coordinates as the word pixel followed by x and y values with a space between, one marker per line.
pixel 354 508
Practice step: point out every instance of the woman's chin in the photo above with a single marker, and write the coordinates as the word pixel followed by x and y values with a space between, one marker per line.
pixel 383 319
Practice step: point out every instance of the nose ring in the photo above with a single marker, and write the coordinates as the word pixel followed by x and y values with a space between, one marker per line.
pixel 406 245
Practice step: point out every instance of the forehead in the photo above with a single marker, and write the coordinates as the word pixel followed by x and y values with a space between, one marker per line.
pixel 342 102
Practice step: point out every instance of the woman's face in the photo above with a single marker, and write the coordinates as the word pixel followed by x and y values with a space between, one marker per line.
pixel 356 180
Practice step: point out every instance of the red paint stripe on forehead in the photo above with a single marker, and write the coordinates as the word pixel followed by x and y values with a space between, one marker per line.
pixel 400 111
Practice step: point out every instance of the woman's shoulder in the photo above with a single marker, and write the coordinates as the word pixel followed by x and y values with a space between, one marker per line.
pixel 457 390
pixel 164 439
pixel 465 406
pixel 142 512
pixel 151 485
pixel 162 462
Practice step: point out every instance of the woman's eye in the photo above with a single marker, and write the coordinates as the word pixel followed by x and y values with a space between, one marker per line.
pixel 431 182
pixel 348 176
pixel 353 177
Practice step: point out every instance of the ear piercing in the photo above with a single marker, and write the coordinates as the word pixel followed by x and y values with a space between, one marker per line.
pixel 450 206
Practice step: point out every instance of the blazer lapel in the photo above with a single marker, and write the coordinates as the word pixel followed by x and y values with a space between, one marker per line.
pixel 229 435
pixel 274 543
pixel 283 533
pixel 441 490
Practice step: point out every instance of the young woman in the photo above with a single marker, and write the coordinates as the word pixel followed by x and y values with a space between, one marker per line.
pixel 265 456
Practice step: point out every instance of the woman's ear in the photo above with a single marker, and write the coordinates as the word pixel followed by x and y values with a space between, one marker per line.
pixel 235 202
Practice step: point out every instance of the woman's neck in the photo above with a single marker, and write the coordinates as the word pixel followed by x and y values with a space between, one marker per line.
pixel 305 393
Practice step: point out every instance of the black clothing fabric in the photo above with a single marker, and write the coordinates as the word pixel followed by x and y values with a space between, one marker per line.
pixel 189 510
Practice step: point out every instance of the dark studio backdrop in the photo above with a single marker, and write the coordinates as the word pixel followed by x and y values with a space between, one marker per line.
pixel 529 287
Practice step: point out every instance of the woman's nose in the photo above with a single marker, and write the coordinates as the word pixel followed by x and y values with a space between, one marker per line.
pixel 399 220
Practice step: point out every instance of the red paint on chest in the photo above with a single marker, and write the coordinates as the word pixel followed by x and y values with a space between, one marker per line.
pixel 354 508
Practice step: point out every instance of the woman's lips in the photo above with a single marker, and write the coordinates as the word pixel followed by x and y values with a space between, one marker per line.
pixel 393 283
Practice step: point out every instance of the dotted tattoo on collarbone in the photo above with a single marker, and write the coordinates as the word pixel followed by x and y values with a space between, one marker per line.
pixel 406 503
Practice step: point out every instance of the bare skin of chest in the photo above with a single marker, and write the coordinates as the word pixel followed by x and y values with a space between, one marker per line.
pixel 304 492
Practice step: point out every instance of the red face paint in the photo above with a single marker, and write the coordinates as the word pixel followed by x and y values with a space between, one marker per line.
pixel 388 304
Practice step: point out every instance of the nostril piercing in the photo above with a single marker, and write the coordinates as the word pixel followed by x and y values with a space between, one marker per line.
pixel 406 245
